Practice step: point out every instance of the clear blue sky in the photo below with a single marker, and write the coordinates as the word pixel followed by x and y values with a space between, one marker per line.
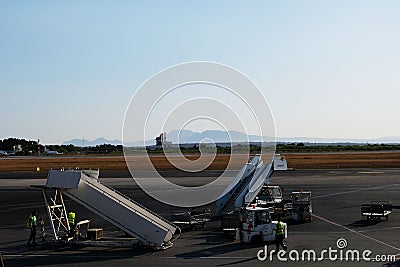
pixel 328 68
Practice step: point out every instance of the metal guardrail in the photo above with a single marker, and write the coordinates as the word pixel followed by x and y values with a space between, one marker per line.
pixel 131 200
pixel 108 217
pixel 95 185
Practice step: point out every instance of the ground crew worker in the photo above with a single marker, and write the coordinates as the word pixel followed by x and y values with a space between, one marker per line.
pixel 32 226
pixel 42 228
pixel 71 222
pixel 280 235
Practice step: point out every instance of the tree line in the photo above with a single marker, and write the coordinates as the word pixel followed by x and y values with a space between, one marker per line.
pixel 301 147
pixel 29 147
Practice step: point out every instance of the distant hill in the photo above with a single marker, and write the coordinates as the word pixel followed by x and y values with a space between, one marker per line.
pixel 319 140
pixel 188 137
pixel 98 141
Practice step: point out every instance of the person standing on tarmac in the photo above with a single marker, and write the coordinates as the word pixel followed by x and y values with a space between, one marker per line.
pixel 280 235
pixel 32 226
pixel 42 228
pixel 71 222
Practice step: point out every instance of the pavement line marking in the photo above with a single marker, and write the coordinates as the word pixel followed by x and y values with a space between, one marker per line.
pixel 354 191
pixel 208 257
pixel 342 232
pixel 22 207
pixel 380 229
pixel 358 233
pixel 24 255
pixel 8 227
pixel 370 172
pixel 58 255
pixel 21 204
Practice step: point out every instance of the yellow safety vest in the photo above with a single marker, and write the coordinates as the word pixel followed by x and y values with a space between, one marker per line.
pixel 71 217
pixel 280 228
pixel 32 219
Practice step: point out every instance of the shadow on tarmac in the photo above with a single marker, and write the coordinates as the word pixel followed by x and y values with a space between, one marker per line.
pixel 67 254
pixel 392 264
pixel 363 223
pixel 215 251
pixel 238 262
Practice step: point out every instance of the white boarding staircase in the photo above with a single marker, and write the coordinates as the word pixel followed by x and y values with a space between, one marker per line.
pixel 84 187
pixel 245 190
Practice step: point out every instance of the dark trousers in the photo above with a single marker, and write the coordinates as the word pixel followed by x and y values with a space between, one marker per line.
pixel 279 241
pixel 32 236
pixel 71 229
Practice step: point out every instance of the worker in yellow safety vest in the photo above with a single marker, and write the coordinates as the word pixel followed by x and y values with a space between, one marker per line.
pixel 71 222
pixel 280 235
pixel 31 224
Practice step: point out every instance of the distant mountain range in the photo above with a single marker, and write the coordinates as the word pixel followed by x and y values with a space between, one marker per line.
pixel 188 136
pixel 318 140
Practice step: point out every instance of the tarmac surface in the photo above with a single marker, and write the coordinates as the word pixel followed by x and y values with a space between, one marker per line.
pixel 337 198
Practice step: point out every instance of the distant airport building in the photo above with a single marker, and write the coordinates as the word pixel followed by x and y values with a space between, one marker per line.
pixel 161 140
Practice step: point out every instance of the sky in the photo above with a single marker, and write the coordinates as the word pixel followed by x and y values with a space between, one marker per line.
pixel 327 68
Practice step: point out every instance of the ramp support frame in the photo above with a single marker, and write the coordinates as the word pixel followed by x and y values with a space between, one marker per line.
pixel 57 213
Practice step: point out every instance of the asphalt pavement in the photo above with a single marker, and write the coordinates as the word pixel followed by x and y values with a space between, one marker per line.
pixel 337 199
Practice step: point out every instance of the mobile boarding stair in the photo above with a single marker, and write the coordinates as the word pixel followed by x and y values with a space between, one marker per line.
pixel 244 189
pixel 226 203
pixel 83 186
pixel 248 183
